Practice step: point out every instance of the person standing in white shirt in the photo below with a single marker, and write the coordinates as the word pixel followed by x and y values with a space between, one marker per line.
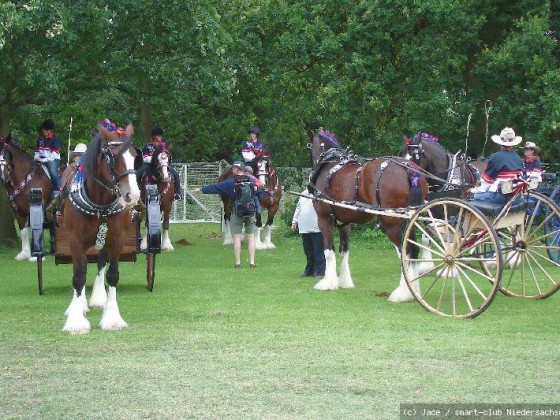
pixel 305 219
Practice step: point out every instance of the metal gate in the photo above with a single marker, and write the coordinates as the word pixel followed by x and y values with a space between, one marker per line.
pixel 197 208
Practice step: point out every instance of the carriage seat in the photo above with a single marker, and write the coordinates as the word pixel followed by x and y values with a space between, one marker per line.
pixel 549 176
pixel 491 209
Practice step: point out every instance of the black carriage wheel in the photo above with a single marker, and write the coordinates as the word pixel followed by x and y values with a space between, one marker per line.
pixel 454 239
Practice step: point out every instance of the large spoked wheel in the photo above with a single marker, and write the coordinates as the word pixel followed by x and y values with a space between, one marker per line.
pixel 455 241
pixel 553 241
pixel 532 251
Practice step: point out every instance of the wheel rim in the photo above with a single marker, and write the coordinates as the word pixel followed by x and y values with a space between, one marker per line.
pixel 532 251
pixel 448 277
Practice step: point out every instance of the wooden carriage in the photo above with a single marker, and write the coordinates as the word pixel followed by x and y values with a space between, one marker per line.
pixel 60 237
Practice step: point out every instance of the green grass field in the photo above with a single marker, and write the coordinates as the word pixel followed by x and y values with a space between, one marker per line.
pixel 214 342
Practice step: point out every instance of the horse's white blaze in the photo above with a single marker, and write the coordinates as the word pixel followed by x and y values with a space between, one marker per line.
pixel 228 238
pixel 330 281
pixel 164 164
pixel 3 169
pixel 111 318
pixel 130 187
pixel 345 278
pixel 98 297
pixel 402 292
pixel 76 323
pixel 165 241
pixel 25 253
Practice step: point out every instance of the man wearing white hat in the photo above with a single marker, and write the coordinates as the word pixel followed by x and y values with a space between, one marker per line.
pixel 502 166
pixel 532 165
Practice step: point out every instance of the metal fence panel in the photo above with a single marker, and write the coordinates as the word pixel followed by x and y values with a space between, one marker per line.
pixel 196 208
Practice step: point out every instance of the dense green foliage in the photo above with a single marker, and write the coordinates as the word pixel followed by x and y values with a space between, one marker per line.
pixel 204 71
pixel 212 342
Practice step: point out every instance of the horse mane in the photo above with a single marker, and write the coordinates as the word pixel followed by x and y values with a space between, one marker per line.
pixel 90 156
pixel 17 147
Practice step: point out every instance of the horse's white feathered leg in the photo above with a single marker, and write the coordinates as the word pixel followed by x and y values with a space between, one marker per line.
pixel 258 243
pixel 144 242
pixel 98 297
pixel 25 253
pixel 267 233
pixel 402 292
pixel 425 254
pixel 345 278
pixel 76 323
pixel 165 241
pixel 83 301
pixel 228 238
pixel 111 319
pixel 330 281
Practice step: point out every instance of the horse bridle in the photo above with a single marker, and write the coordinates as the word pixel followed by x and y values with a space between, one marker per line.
pixel 416 151
pixel 160 165
pixel 109 158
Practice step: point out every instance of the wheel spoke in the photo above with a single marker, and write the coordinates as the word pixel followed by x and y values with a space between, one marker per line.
pixel 465 294
pixel 532 255
pixel 478 273
pixel 460 269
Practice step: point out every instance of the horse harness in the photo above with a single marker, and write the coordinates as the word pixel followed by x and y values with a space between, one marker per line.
pixel 17 190
pixel 78 195
pixel 346 159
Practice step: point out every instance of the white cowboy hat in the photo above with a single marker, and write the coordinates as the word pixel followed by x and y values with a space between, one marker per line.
pixel 507 138
pixel 531 145
pixel 79 149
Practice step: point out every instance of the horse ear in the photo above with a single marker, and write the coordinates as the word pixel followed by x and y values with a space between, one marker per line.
pixel 404 139
pixel 170 146
pixel 129 130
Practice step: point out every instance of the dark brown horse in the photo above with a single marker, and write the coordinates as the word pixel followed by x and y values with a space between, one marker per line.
pixel 270 201
pixel 449 175
pixel 20 173
pixel 380 183
pixel 94 212
pixel 159 174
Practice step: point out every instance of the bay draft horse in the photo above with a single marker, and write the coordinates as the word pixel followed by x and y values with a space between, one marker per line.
pixel 270 202
pixel 382 183
pixel 102 189
pixel 448 175
pixel 159 174
pixel 20 173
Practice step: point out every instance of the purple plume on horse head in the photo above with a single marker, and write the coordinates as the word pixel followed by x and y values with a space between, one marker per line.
pixel 329 136
pixel 425 136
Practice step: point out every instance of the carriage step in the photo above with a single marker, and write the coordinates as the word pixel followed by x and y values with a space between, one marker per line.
pixel 491 209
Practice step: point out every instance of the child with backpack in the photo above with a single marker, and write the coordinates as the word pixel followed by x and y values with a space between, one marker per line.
pixel 244 195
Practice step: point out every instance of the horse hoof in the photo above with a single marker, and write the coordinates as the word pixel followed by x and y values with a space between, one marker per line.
pixel 22 256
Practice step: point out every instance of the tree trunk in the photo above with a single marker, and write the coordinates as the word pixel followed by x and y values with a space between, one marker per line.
pixel 7 227
pixel 146 108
